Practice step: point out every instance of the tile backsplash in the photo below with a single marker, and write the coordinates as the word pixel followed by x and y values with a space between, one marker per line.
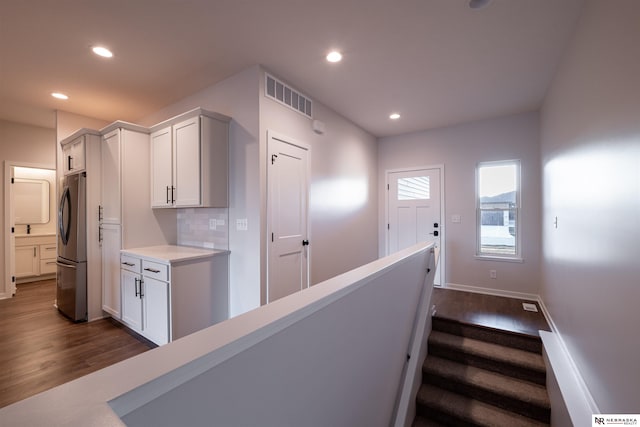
pixel 195 228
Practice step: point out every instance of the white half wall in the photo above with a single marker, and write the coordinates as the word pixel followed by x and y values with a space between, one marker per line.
pixel 590 146
pixel 459 148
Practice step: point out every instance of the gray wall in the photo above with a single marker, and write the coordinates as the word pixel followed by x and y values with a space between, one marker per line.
pixel 345 152
pixel 343 193
pixel 459 149
pixel 235 97
pixel 24 144
pixel 591 172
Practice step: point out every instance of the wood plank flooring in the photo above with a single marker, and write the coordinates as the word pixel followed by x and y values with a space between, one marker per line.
pixel 489 310
pixel 41 349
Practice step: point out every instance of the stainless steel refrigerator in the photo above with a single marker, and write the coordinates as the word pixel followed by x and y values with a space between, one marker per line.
pixel 71 281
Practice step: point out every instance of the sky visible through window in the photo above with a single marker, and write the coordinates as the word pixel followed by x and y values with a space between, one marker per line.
pixel 496 180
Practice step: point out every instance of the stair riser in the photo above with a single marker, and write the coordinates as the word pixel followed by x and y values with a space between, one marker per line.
pixel 522 342
pixel 444 418
pixel 488 396
pixel 501 367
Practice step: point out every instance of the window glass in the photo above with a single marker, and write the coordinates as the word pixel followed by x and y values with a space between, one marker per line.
pixel 498 187
pixel 414 188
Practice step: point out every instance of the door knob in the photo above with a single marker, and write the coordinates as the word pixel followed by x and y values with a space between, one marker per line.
pixel 305 242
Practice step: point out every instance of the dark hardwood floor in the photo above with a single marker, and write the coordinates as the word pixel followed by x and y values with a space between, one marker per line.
pixel 489 310
pixel 40 348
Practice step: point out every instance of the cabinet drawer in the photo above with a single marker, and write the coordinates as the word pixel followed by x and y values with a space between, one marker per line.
pixel 155 270
pixel 47 266
pixel 130 263
pixel 48 251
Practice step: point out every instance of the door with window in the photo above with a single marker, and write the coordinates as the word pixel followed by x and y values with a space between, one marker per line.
pixel 414 210
pixel 287 200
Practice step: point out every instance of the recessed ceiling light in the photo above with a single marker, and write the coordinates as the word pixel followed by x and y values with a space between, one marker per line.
pixel 59 95
pixel 334 56
pixel 394 116
pixel 478 4
pixel 102 51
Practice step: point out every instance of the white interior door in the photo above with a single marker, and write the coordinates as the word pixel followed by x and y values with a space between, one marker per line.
pixel 287 199
pixel 414 210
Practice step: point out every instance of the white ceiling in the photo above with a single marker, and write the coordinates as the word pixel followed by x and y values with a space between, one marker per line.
pixel 437 62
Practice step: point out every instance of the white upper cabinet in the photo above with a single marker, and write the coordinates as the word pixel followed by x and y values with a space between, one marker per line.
pixel 73 156
pixel 161 168
pixel 189 161
pixel 110 206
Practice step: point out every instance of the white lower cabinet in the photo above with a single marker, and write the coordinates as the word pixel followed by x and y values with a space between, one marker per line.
pixel 155 309
pixel 35 256
pixel 169 292
pixel 145 302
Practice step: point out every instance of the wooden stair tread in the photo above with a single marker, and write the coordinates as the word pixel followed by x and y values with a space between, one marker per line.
pixel 496 352
pixel 491 382
pixel 470 410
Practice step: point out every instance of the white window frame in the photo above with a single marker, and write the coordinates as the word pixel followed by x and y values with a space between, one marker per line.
pixel 517 257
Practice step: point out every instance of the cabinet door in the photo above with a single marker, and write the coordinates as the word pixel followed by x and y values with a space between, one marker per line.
pixel 186 163
pixel 73 155
pixel 27 261
pixel 78 155
pixel 110 201
pixel 161 169
pixel 111 269
pixel 156 310
pixel 131 301
pixel 66 159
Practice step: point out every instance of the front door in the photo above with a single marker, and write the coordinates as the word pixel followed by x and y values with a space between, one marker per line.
pixel 414 210
pixel 287 200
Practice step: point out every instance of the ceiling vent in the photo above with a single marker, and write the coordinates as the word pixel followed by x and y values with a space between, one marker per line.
pixel 288 96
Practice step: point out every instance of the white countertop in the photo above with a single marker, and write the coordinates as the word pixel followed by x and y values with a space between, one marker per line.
pixel 172 253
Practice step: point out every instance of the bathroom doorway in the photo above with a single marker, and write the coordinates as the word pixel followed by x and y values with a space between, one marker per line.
pixel 30 224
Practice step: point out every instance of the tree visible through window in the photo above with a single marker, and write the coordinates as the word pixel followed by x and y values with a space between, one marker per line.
pixel 498 210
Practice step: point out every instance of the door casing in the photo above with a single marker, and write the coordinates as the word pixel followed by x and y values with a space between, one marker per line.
pixel 271 137
pixel 440 169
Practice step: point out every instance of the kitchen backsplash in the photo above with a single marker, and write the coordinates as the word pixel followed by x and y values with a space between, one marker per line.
pixel 195 228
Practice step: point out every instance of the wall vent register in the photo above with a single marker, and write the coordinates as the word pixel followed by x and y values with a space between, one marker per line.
pixel 286 95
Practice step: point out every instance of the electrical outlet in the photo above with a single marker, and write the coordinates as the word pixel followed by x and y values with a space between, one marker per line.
pixel 493 274
pixel 212 224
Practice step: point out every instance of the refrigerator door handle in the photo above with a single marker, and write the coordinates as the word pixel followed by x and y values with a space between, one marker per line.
pixel 61 264
pixel 64 231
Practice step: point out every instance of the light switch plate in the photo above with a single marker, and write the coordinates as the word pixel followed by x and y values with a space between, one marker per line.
pixel 242 224
pixel 220 221
pixel 212 224
pixel 455 219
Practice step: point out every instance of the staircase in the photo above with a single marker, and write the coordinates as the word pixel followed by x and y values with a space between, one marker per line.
pixel 480 376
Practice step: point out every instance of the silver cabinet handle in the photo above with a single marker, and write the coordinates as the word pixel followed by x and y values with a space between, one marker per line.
pixel 153 270
pixel 129 264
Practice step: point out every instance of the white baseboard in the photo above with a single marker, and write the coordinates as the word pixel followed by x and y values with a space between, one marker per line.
pixel 490 291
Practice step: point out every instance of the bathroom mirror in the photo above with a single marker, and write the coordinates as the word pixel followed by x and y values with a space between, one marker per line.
pixel 31 199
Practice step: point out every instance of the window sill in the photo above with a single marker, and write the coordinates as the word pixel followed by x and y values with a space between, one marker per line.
pixel 498 258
